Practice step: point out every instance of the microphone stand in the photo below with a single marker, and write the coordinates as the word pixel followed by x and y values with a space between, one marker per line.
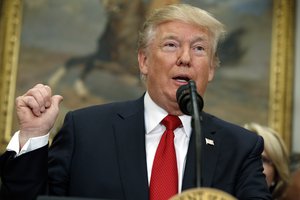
pixel 196 125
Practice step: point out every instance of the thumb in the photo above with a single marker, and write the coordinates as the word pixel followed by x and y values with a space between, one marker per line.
pixel 56 100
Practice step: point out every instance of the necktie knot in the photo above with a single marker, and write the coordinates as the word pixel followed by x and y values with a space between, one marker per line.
pixel 171 122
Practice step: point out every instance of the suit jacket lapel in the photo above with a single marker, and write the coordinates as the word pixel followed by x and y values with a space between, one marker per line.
pixel 130 139
pixel 209 155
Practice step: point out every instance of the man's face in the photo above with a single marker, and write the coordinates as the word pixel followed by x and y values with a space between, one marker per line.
pixel 179 52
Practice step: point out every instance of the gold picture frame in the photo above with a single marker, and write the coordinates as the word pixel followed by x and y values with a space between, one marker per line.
pixel 281 68
pixel 10 28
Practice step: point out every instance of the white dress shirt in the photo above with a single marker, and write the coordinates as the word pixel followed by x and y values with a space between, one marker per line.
pixel 30 145
pixel 154 130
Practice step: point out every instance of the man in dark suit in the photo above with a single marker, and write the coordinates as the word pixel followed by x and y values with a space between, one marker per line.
pixel 110 151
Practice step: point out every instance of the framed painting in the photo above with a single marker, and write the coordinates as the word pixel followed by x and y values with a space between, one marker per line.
pixel 85 50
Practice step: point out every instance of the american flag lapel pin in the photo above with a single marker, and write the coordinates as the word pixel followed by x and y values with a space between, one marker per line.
pixel 209 142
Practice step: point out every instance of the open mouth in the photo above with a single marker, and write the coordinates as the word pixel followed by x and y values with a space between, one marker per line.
pixel 182 79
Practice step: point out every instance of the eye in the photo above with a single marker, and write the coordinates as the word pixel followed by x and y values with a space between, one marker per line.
pixel 199 49
pixel 169 46
pixel 266 160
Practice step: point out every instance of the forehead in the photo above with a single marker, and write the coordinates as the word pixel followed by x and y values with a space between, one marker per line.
pixel 178 29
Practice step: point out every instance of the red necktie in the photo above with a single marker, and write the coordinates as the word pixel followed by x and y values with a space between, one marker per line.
pixel 164 175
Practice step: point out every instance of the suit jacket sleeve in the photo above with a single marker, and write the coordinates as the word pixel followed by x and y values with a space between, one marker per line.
pixel 250 174
pixel 23 177
pixel 30 175
pixel 41 171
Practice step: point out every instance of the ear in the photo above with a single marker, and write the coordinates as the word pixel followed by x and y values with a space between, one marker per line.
pixel 142 59
pixel 211 72
pixel 213 65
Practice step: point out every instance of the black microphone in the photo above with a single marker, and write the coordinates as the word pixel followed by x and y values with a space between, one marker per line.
pixel 191 103
pixel 185 98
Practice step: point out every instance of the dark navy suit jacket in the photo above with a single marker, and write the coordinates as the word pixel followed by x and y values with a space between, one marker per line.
pixel 100 153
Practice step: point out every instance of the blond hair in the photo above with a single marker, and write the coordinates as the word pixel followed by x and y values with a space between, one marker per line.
pixel 277 152
pixel 185 13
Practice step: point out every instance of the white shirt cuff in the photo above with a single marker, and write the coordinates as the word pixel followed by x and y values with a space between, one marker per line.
pixel 32 143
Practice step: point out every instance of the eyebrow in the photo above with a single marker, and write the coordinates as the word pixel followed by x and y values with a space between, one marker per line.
pixel 196 39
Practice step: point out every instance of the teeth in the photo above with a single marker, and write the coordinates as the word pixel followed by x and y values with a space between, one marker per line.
pixel 181 80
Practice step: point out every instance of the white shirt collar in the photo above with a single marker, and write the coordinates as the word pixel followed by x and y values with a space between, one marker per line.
pixel 154 114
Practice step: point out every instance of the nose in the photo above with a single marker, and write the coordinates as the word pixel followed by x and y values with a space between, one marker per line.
pixel 184 57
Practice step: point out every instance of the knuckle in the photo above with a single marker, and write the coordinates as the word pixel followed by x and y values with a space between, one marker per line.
pixel 18 100
pixel 39 85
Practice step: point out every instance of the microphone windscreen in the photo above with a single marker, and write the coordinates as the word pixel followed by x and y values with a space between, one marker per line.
pixel 184 98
